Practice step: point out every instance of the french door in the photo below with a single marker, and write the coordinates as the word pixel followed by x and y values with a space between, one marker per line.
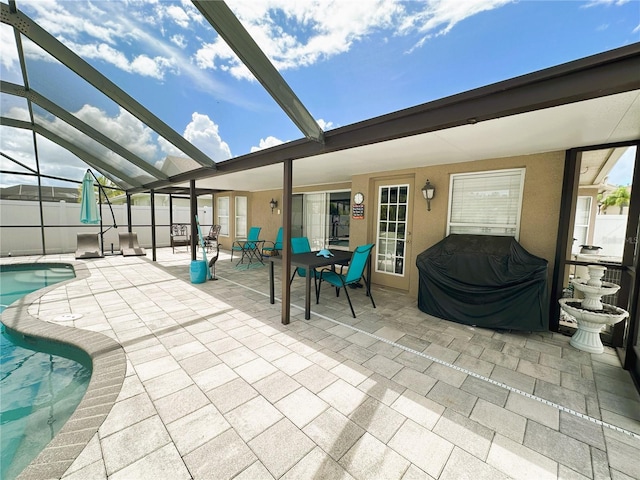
pixel 392 253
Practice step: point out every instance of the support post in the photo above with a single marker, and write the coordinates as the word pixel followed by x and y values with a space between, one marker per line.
pixel 193 203
pixel 152 194
pixel 287 203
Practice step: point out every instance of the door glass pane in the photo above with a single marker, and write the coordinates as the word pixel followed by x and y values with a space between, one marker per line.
pixel 315 215
pixel 402 212
pixel 339 219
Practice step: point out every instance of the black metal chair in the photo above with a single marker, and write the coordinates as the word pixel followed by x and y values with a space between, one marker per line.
pixel 179 236
pixel 211 240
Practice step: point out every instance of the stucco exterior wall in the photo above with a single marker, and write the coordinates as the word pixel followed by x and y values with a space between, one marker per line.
pixel 540 206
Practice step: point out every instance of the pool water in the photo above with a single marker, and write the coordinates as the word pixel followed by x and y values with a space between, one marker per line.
pixel 42 383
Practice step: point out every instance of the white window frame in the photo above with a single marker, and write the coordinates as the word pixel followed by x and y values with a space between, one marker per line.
pixel 240 212
pixel 485 226
pixel 222 210
pixel 581 226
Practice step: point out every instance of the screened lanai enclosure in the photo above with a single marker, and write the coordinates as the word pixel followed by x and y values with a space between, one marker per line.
pixel 60 116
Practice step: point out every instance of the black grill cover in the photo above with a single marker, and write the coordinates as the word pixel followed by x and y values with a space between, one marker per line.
pixel 483 280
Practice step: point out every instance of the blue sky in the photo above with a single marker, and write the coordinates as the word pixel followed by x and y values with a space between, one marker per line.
pixel 346 60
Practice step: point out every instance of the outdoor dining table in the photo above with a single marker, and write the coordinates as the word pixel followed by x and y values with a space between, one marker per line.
pixel 308 261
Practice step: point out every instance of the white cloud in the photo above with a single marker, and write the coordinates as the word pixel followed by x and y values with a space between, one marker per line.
pixel 18 113
pixel 179 40
pixel 320 30
pixel 324 125
pixel 203 133
pixel 438 17
pixel 594 3
pixel 267 143
pixel 178 15
pixel 124 129
pixel 142 64
pixel 9 58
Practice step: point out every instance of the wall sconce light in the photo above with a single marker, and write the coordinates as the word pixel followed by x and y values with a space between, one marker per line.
pixel 428 191
pixel 273 204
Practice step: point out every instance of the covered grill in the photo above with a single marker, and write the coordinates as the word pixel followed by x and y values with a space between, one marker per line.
pixel 483 280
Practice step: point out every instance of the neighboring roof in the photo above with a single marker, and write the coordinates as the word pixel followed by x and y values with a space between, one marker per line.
pixel 49 194
pixel 175 165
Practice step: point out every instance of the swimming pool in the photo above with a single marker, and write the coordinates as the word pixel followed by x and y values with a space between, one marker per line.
pixel 42 382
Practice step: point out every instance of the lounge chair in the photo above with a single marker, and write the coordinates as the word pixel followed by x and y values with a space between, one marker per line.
pixel 129 244
pixel 88 246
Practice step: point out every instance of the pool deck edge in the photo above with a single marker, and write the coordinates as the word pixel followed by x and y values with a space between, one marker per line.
pixel 108 364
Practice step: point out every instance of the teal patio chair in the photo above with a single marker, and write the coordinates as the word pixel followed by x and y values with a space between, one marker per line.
pixel 250 247
pixel 357 265
pixel 276 246
pixel 301 245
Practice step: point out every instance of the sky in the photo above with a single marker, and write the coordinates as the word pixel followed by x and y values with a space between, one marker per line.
pixel 347 61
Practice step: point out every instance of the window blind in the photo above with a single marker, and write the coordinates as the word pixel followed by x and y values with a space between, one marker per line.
pixel 223 215
pixel 486 202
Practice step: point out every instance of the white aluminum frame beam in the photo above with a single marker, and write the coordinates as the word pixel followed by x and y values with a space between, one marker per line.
pixel 55 48
pixel 222 19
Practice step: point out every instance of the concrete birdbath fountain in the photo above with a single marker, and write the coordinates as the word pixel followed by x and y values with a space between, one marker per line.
pixel 590 313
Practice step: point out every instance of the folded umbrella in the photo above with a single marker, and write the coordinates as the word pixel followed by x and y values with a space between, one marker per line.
pixel 88 208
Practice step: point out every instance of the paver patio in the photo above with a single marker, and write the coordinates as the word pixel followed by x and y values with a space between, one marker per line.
pixel 216 387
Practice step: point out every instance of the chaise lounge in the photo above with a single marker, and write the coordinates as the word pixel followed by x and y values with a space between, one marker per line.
pixel 88 246
pixel 129 244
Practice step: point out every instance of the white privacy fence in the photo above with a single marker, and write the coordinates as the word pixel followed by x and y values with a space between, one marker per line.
pixel 21 232
pixel 609 233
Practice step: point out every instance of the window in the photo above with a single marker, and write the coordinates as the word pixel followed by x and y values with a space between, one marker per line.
pixel 581 224
pixel 223 215
pixel 241 217
pixel 486 203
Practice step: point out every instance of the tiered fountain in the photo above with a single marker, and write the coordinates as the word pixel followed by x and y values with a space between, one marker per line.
pixel 590 313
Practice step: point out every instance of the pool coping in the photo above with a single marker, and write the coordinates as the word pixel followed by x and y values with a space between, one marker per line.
pixel 108 364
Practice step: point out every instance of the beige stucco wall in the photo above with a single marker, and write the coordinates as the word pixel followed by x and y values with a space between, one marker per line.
pixel 540 207
pixel 227 240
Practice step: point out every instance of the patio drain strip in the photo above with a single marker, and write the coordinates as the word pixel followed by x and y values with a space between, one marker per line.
pixel 463 370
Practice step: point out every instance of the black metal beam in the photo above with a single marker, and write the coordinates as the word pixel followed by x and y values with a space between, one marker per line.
pixel 571 178
pixel 604 74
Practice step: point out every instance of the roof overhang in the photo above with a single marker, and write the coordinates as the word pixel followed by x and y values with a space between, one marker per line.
pixel 591 101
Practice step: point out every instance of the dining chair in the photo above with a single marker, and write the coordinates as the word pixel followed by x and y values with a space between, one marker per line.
pixel 301 245
pixel 249 247
pixel 277 245
pixel 353 276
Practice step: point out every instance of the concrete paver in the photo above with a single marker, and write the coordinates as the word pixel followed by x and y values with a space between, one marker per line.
pixel 216 387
